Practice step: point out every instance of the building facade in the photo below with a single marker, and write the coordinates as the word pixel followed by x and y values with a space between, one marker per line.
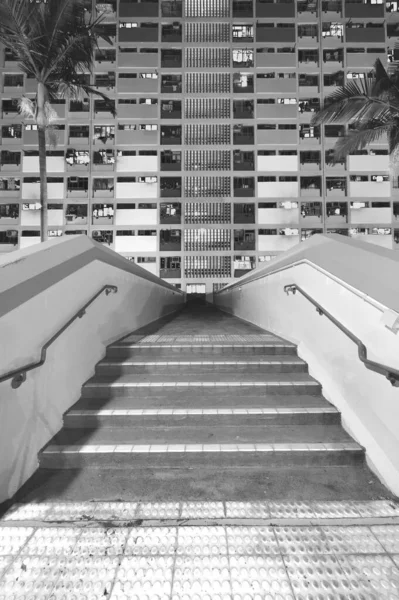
pixel 211 167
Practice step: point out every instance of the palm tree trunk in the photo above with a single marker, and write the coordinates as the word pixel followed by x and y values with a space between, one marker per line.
pixel 41 130
pixel 43 183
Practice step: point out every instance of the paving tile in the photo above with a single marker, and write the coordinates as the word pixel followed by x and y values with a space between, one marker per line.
pixel 263 577
pixel 373 576
pixel 251 540
pixel 152 541
pixel 388 536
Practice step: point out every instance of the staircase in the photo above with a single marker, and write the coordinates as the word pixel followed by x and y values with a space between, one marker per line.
pixel 202 406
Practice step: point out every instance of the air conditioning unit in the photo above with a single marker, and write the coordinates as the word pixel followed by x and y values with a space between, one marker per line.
pixel 357 205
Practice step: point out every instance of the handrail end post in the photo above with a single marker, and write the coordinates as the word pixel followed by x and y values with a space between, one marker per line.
pixel 18 380
pixel 290 288
pixel 111 289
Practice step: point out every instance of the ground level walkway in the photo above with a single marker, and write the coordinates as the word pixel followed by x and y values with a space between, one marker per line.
pixel 201 462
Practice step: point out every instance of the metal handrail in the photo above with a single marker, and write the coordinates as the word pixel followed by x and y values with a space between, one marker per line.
pixel 391 374
pixel 18 376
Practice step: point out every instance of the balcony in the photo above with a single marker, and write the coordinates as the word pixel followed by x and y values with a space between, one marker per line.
pixel 171 8
pixel 267 136
pixel 9 214
pixel 369 189
pixel 171 84
pixel 55 162
pixel 244 187
pixel 275 10
pixel 310 186
pixel 171 135
pixel 277 189
pixel 364 59
pixel 368 163
pixel 76 214
pixel 310 161
pixel 336 187
pixel 336 213
pixel 170 187
pixel 31 188
pixel 139 34
pixel 275 59
pixel 77 187
pixel 242 9
pixel 264 33
pixel 127 215
pixel 243 161
pixel 272 163
pixel 137 137
pixel 138 9
pixel 278 213
pixel 277 110
pixel 244 240
pixel 171 58
pixel 171 109
pixel 356 10
pixel 331 9
pixel 283 239
pixel 170 213
pixel 362 213
pixel 131 58
pixel 10 161
pixel 134 109
pixel 275 85
pixel 365 35
pixel 128 160
pixel 243 135
pixel 171 160
pixel 133 187
pixel 30 215
pixel 103 188
pixel 172 33
pixel 170 240
pixel 243 109
pixel 311 214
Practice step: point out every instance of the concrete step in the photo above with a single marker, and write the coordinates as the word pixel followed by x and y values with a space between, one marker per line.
pixel 212 434
pixel 211 417
pixel 287 383
pixel 127 349
pixel 184 456
pixel 227 364
pixel 210 397
pixel 206 483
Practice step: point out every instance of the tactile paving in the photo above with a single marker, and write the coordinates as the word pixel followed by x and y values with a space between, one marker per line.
pixel 158 510
pixel 375 577
pixel 388 536
pixel 247 510
pixel 201 577
pixel 144 578
pixel 201 541
pixel 260 577
pixel 101 542
pixel 202 510
pixel 13 538
pixel 315 576
pixel 152 541
pixel 53 541
pixel 251 540
pixel 289 510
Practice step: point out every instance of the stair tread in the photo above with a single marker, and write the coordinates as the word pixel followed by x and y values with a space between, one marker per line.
pixel 197 360
pixel 220 378
pixel 177 399
pixel 201 435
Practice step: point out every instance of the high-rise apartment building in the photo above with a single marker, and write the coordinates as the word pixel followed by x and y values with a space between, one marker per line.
pixel 210 167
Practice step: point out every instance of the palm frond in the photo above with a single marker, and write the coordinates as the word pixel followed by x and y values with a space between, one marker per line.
pixel 79 91
pixel 27 107
pixel 16 19
pixel 358 138
pixel 51 135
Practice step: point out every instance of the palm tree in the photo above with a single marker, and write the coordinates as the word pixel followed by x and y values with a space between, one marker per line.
pixel 54 42
pixel 370 105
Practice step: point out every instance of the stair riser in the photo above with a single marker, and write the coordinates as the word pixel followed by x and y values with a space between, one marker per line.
pixel 203 459
pixel 212 421
pixel 188 369
pixel 113 392
pixel 185 353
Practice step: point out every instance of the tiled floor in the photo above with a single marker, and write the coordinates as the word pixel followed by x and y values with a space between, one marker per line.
pixel 113 551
